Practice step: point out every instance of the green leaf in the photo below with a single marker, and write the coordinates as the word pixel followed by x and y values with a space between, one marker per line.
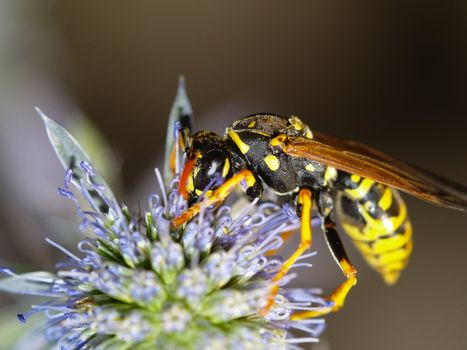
pixel 181 112
pixel 28 283
pixel 71 155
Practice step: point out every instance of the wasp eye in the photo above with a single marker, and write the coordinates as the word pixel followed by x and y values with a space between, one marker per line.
pixel 211 169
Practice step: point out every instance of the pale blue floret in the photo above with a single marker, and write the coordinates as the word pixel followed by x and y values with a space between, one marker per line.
pixel 138 283
pixel 125 302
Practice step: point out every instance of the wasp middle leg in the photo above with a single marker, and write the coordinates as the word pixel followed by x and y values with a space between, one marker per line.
pixel 304 205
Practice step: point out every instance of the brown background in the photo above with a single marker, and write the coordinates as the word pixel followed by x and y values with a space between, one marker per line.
pixel 393 75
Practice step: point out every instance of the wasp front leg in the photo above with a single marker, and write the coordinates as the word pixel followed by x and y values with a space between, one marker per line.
pixel 253 190
pixel 337 298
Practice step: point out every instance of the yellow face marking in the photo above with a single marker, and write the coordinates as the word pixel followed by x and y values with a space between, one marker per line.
pixel 386 199
pixel 252 124
pixel 362 190
pixel 226 168
pixel 310 167
pixel 272 162
pixel 278 140
pixel 330 174
pixel 355 178
pixel 244 148
pixel 196 171
pixel 190 187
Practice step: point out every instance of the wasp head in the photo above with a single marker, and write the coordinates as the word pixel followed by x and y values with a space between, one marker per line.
pixel 207 166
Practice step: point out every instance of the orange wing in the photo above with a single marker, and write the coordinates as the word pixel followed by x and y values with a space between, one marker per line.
pixel 356 158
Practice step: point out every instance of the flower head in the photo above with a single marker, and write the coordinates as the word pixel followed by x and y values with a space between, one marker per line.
pixel 137 282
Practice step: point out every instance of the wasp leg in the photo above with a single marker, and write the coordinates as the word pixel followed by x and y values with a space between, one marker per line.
pixel 305 202
pixel 337 297
pixel 218 196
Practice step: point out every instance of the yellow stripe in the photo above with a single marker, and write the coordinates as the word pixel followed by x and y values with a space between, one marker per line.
pixel 376 228
pixel 355 178
pixel 310 167
pixel 252 124
pixel 396 255
pixel 330 174
pixel 356 234
pixel 226 168
pixel 393 267
pixel 362 190
pixel 272 162
pixel 244 148
pixel 383 245
pixel 386 199
pixel 278 140
pixel 385 224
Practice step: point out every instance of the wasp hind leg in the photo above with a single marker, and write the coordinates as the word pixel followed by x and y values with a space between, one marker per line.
pixel 337 297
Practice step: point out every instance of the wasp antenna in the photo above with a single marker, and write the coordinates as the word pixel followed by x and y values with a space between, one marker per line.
pixel 184 177
pixel 180 121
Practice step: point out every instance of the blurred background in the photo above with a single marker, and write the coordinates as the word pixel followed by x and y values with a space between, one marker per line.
pixel 389 74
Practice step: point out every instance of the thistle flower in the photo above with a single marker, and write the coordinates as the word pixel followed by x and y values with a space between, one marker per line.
pixel 139 283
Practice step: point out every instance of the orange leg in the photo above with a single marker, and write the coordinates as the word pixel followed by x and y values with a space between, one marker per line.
pixel 337 297
pixel 305 200
pixel 217 197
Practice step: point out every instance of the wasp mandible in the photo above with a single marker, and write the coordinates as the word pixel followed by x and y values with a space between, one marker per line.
pixel 345 180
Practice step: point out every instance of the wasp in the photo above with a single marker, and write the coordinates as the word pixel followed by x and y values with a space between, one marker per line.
pixel 345 181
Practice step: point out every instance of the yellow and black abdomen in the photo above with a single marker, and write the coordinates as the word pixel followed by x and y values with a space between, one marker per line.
pixel 375 217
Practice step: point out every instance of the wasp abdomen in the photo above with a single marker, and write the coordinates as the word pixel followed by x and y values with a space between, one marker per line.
pixel 375 217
